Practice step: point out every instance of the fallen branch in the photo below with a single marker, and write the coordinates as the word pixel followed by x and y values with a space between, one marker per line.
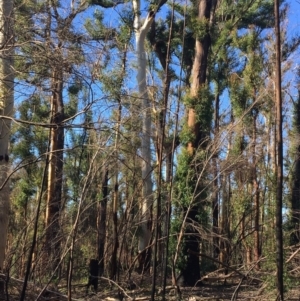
pixel 293 255
pixel 119 287
pixel 234 295
pixel 223 264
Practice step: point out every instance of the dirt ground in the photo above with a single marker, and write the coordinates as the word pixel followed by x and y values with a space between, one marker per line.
pixel 212 289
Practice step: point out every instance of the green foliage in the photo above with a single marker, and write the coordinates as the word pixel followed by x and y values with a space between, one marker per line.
pixel 28 141
pixel 74 89
pixel 269 266
pixel 239 146
pixel 189 191
pixel 125 31
pixel 260 13
pixel 200 27
pixel 186 135
pixel 71 107
pixel 202 104
pixel 25 190
pixel 116 37
pixel 239 96
pixel 103 3
pixel 96 29
pixel 236 66
pixel 204 108
pixel 185 179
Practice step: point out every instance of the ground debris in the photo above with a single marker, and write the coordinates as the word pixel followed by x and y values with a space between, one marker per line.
pixel 232 289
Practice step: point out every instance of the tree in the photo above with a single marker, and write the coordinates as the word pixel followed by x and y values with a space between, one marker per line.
pixel 6 111
pixel 279 161
pixel 101 222
pixel 295 182
pixel 111 195
pixel 199 109
pixel 141 29
pixel 28 146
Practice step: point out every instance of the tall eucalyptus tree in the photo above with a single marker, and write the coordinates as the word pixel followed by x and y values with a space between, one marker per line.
pixel 199 109
pixel 141 29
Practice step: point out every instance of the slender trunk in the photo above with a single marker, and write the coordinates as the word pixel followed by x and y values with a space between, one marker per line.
pixel 90 177
pixel 161 147
pixel 257 248
pixel 101 220
pixel 279 166
pixel 113 270
pixel 141 31
pixel 6 110
pixel 225 226
pixel 31 254
pixel 215 196
pixel 24 239
pixel 256 193
pixel 114 264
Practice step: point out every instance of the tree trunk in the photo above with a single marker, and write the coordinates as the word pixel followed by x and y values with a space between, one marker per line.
pixel 256 193
pixel 215 194
pixel 114 265
pixel 279 165
pixel 225 222
pixel 145 225
pixel 191 271
pixel 55 171
pixel 6 110
pixel 198 77
pixel 295 197
pixel 101 220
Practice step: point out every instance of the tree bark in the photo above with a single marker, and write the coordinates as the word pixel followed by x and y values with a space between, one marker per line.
pixel 145 225
pixel 101 220
pixel 295 197
pixel 114 265
pixel 55 171
pixel 6 110
pixel 191 272
pixel 279 165
pixel 256 192
pixel 198 77
pixel 215 194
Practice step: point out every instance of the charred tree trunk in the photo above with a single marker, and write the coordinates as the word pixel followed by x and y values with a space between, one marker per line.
pixel 225 223
pixel 215 196
pixel 101 221
pixel 113 263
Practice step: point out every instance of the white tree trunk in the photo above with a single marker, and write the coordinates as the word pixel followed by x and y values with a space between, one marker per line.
pixel 6 110
pixel 140 35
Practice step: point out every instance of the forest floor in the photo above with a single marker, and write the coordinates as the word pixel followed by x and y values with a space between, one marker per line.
pixel 212 289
